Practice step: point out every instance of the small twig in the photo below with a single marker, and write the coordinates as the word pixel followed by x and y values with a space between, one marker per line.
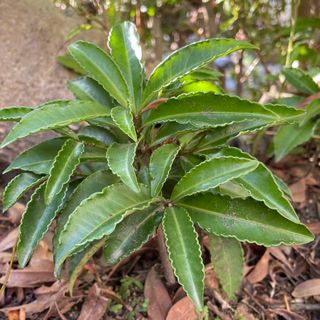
pixel 286 302
pixel 224 304
pixel 216 310
pixel 154 104
pixel 6 279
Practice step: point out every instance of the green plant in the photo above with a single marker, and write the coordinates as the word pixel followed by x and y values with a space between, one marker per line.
pixel 144 161
pixel 290 136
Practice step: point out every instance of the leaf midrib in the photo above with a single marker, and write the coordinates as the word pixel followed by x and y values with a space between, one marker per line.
pixel 119 95
pixel 227 216
pixel 248 166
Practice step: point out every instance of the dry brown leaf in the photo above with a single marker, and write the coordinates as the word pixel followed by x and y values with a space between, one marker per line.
pixel 298 190
pixel 260 271
pixel 158 296
pixel 278 253
pixel 38 272
pixel 47 298
pixel 9 240
pixel 314 227
pixel 307 289
pixel 15 212
pixel 182 310
pixel 180 293
pixel 94 305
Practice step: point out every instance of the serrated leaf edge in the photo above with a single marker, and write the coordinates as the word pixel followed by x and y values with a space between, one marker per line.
pixel 76 119
pixel 279 243
pixel 46 230
pixel 55 161
pixel 126 213
pixel 143 242
pixel 131 164
pixel 272 177
pixel 178 52
pixel 170 255
pixel 5 207
pixel 94 78
pixel 206 161
pixel 12 118
pixel 153 194
pixel 129 134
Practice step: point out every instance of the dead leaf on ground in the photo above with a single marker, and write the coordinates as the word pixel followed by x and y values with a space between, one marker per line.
pixel 298 190
pixel 94 305
pixel 158 296
pixel 180 293
pixel 15 212
pixel 48 298
pixel 182 310
pixel 9 240
pixel 288 315
pixel 314 227
pixel 260 271
pixel 38 272
pixel 307 289
pixel 279 254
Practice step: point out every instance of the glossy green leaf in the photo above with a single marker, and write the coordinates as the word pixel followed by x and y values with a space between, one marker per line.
pixel 216 110
pixel 35 223
pixel 68 61
pixel 245 220
pixel 39 158
pixel 92 153
pixel 184 253
pixel 300 80
pixel 62 168
pixel 120 160
pixel 126 51
pixel 200 86
pixel 97 136
pixel 19 185
pixel 100 66
pixel 13 113
pixel 233 190
pixel 54 115
pixel 92 184
pixel 228 263
pixel 131 233
pixel 122 117
pixel 79 260
pixel 221 135
pixel 261 184
pixel 106 209
pixel 290 136
pixel 85 88
pixel 312 111
pixel 170 130
pixel 211 173
pixel 186 59
pixel 160 164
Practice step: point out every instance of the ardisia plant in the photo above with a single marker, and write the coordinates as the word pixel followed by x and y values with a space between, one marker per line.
pixel 145 158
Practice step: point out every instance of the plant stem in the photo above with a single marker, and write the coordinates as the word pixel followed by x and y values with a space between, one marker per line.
pixel 294 14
